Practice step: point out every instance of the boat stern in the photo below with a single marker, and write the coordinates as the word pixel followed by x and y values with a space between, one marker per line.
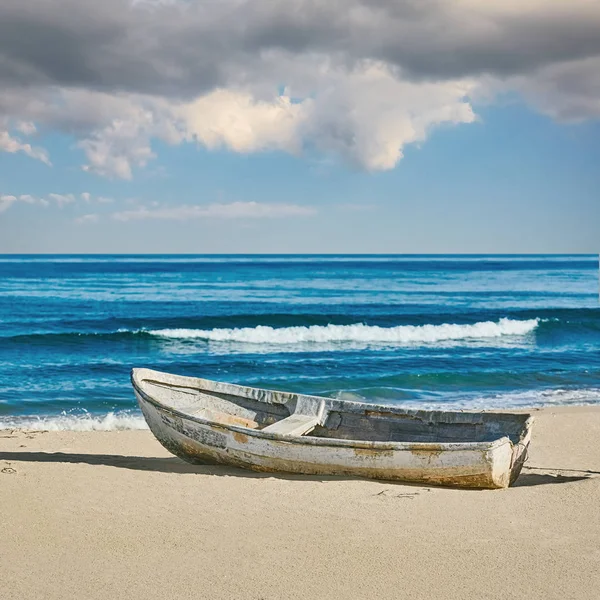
pixel 520 451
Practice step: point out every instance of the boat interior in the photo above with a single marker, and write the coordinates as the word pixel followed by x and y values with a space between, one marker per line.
pixel 293 414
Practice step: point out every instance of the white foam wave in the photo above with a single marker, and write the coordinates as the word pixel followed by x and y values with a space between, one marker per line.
pixel 113 421
pixel 402 334
pixel 531 398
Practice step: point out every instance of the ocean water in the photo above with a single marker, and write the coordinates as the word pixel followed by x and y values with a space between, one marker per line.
pixel 453 331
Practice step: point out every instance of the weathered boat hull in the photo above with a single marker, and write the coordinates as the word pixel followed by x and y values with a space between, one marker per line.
pixel 494 464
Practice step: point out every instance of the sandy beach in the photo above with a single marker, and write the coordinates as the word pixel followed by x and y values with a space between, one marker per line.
pixel 111 514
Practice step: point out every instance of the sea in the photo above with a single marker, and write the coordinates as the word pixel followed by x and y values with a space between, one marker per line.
pixel 460 332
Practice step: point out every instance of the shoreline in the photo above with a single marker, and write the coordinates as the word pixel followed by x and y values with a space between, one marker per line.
pixel 111 513
pixel 133 419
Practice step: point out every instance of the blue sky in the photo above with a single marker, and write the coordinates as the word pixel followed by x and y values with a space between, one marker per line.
pixel 513 182
pixel 360 161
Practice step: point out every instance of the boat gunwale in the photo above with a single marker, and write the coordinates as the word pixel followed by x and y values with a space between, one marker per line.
pixel 242 391
pixel 335 442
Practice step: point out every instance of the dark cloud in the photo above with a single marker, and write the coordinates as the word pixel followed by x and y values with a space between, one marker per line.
pixel 182 49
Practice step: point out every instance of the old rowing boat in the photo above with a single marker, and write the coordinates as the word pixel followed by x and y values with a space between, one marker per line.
pixel 210 421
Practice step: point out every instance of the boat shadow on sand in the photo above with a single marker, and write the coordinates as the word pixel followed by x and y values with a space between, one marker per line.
pixel 531 476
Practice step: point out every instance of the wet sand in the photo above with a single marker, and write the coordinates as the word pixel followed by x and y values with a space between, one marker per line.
pixel 92 515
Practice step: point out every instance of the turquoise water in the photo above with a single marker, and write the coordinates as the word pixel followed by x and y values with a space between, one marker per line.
pixel 457 331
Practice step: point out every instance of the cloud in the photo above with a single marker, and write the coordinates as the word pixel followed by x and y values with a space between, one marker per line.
pixel 7 200
pixel 12 144
pixel 26 127
pixel 369 116
pixel 116 46
pixel 366 116
pixel 567 91
pixel 241 123
pixel 113 149
pixel 233 210
pixel 154 210
pixel 359 79
pixel 59 200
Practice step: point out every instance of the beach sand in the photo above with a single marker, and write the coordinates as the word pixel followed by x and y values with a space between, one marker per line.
pixel 106 515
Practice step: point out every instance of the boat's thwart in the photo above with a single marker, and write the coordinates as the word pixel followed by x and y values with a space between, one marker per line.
pixel 262 430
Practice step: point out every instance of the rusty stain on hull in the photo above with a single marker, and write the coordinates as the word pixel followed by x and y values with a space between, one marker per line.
pixel 428 453
pixel 236 420
pixel 372 453
pixel 242 438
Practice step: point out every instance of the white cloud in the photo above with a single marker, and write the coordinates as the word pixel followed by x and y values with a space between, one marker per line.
pixel 26 127
pixel 59 200
pixel 12 144
pixel 113 151
pixel 369 116
pixel 156 211
pixel 6 201
pixel 233 210
pixel 238 121
pixel 116 131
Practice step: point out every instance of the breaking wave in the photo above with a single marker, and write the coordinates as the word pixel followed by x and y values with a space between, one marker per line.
pixel 359 332
pixel 112 421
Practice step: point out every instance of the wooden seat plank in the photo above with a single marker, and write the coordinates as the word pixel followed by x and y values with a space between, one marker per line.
pixel 294 425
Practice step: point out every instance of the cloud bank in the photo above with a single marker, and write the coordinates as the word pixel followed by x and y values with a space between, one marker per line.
pixel 58 200
pixel 356 79
pixel 232 210
pixel 157 211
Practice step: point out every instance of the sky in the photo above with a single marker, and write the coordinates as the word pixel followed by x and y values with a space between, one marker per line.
pixel 299 126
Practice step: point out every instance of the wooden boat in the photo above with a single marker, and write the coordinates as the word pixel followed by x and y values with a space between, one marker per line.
pixel 209 421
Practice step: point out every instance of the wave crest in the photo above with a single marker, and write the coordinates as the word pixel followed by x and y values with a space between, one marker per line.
pixel 359 332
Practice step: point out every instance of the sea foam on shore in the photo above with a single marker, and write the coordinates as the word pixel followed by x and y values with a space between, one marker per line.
pixel 112 421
